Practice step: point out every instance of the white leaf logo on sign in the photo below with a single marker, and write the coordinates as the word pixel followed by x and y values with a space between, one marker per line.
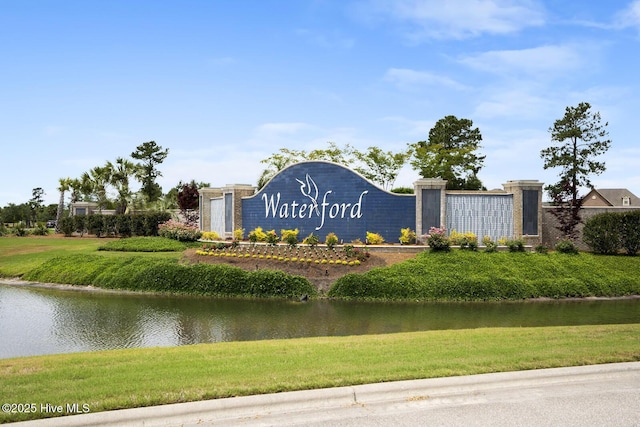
pixel 310 190
pixel 274 207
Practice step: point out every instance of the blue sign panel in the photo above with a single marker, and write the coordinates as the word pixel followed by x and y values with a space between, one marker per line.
pixel 323 197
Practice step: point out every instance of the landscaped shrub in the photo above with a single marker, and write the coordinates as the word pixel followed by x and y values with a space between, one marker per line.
pixel 40 230
pixel 331 240
pixel 80 224
pixel 515 245
pixel 541 249
pixel 489 244
pixel 290 237
pixel 66 226
pixel 437 240
pixel 109 225
pixel 609 232
pixel 631 232
pixel 94 225
pixel 466 240
pixel 257 235
pixel 407 236
pixel 123 225
pixel 602 233
pixel 178 231
pixel 272 237
pixel 238 234
pixel 566 247
pixel 20 230
pixel 374 238
pixel 311 240
pixel 210 235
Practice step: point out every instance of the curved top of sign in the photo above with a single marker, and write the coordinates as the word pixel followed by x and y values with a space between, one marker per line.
pixel 321 196
pixel 313 164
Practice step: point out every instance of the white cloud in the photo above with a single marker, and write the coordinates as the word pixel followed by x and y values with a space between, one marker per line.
pixel 629 17
pixel 405 78
pixel 547 60
pixel 459 19
pixel 521 103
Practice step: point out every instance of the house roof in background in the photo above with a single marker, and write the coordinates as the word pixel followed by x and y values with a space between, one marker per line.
pixel 614 196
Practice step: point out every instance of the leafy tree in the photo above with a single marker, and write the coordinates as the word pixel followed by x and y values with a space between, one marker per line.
pixel 35 204
pixel 285 157
pixel 335 154
pixel 47 212
pixel 151 154
pixel 278 161
pixel 380 166
pixel 580 138
pixel 450 153
pixel 13 213
pixel 188 201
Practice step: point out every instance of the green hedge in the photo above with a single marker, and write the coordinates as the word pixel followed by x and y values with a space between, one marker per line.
pixel 476 276
pixel 126 225
pixel 139 273
pixel 608 233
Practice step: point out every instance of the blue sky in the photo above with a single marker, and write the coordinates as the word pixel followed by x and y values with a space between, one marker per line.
pixel 224 84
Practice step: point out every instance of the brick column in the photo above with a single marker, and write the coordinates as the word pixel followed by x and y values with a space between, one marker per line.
pixel 527 209
pixel 430 204
pixel 205 196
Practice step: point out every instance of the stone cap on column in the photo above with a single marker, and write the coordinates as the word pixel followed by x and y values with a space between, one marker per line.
pixel 430 183
pixel 523 184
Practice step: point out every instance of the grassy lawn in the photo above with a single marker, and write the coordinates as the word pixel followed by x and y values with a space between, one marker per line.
pixel 21 254
pixel 109 380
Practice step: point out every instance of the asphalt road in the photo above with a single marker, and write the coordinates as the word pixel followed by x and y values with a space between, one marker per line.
pixel 598 395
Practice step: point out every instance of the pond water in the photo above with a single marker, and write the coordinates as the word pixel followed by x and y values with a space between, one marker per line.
pixel 36 321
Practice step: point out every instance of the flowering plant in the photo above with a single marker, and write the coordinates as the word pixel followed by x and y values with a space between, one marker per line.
pixel 179 231
pixel 272 237
pixel 290 236
pixel 331 240
pixel 437 239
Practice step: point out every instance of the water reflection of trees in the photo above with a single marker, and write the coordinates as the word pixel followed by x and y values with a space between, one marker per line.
pixel 90 321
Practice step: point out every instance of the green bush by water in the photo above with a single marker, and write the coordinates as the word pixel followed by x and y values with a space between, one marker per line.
pixel 138 273
pixel 475 276
pixel 609 232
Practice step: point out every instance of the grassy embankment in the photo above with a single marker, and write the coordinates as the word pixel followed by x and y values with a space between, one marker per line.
pixel 464 275
pixel 457 275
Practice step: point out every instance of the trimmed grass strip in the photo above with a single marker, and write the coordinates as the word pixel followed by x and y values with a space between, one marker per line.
pixel 118 379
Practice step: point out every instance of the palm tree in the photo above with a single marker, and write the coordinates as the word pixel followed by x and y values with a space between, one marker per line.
pixel 65 185
pixel 97 180
pixel 119 178
pixel 78 187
